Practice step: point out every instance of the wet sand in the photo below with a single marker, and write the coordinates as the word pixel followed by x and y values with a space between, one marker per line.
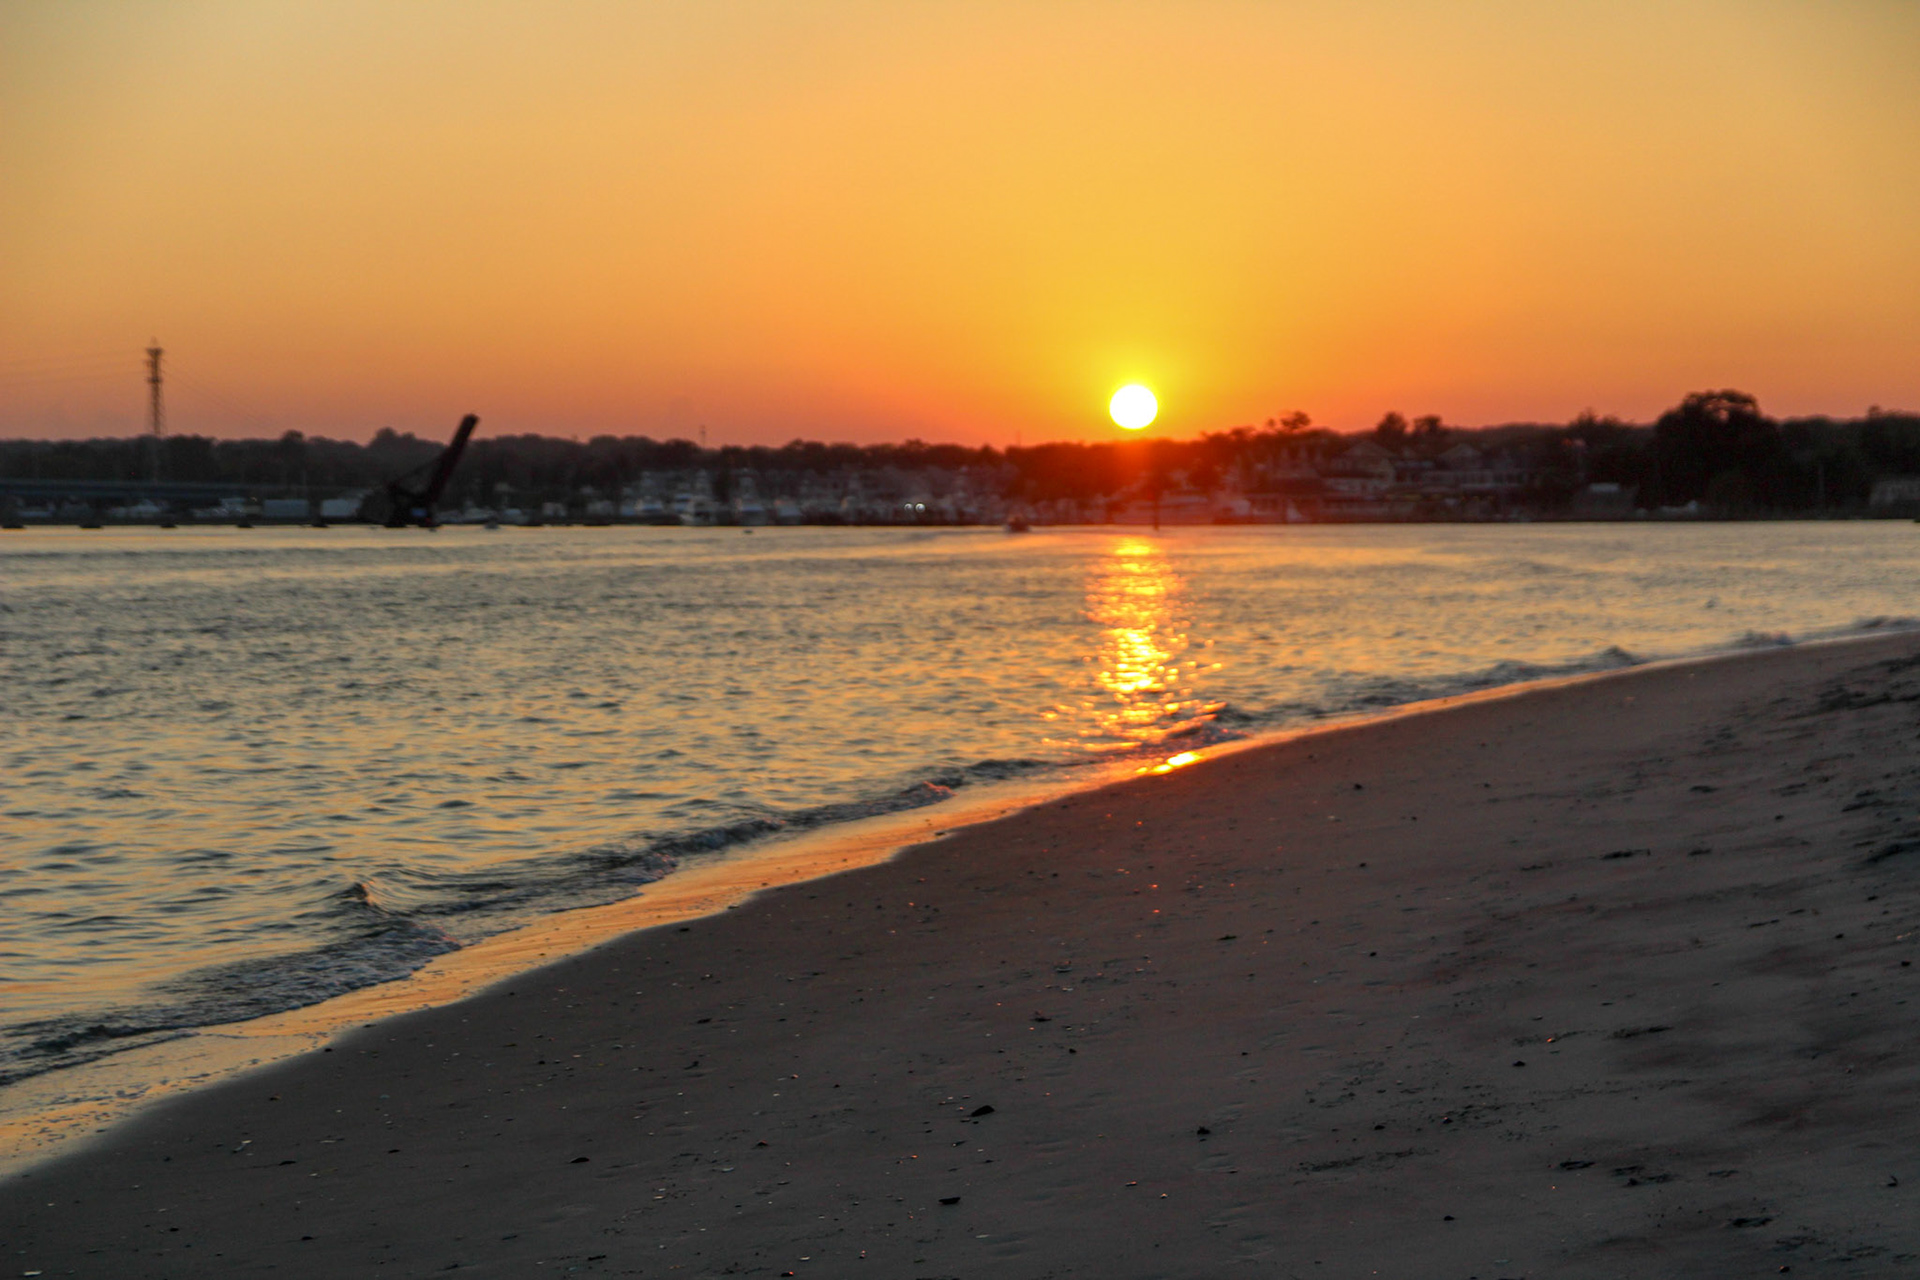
pixel 47 1113
pixel 1609 979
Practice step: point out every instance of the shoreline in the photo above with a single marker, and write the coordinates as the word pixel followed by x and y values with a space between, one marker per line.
pixel 1470 986
pixel 1610 978
pixel 61 1112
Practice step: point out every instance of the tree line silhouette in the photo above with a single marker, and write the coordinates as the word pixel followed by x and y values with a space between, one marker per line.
pixel 1714 448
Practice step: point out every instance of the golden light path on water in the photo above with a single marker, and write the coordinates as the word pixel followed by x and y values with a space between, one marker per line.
pixel 1135 597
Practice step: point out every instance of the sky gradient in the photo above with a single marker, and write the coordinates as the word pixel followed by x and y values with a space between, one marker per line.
pixel 965 222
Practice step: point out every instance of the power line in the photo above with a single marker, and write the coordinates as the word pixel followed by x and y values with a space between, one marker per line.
pixel 22 380
pixel 246 415
pixel 20 373
pixel 42 364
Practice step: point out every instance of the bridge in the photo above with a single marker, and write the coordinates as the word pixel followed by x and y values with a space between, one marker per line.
pixel 127 492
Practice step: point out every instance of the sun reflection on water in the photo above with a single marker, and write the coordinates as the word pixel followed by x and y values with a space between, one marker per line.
pixel 1134 596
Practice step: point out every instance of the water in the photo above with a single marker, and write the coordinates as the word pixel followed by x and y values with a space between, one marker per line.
pixel 246 770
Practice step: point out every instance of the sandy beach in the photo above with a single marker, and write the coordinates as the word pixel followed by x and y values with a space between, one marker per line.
pixel 1605 979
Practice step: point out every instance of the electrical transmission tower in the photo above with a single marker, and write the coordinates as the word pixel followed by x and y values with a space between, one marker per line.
pixel 156 411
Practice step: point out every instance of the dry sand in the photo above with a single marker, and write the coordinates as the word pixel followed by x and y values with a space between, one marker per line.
pixel 1610 979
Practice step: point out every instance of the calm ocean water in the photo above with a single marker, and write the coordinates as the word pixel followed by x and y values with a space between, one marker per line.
pixel 246 770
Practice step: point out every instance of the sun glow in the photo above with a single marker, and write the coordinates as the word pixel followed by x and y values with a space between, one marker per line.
pixel 1133 406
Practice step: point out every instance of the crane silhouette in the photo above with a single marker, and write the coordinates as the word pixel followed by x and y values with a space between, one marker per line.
pixel 408 505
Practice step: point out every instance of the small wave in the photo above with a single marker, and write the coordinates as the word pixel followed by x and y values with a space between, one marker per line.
pixel 1378 693
pixel 1869 626
pixel 399 920
pixel 1762 640
pixel 1004 770
pixel 1206 732
pixel 233 992
pixel 1874 625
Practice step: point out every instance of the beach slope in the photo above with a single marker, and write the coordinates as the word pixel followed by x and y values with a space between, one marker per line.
pixel 1606 979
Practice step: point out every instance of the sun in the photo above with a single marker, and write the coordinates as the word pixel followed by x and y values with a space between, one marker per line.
pixel 1133 406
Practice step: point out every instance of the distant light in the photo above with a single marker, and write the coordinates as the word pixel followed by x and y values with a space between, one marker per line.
pixel 1133 406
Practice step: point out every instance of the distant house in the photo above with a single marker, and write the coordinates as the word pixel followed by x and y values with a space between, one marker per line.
pixel 1367 455
pixel 1465 469
pixel 1364 468
pixel 1895 491
pixel 1604 500
pixel 344 507
pixel 1271 508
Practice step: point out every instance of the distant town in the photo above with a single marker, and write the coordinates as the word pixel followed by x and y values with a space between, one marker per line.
pixel 1715 455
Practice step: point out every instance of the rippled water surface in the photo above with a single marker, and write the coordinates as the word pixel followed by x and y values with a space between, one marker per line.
pixel 246 769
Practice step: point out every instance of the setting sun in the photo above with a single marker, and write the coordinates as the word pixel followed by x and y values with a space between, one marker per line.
pixel 1133 406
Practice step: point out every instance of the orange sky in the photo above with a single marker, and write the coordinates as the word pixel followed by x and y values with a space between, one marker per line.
pixel 959 221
